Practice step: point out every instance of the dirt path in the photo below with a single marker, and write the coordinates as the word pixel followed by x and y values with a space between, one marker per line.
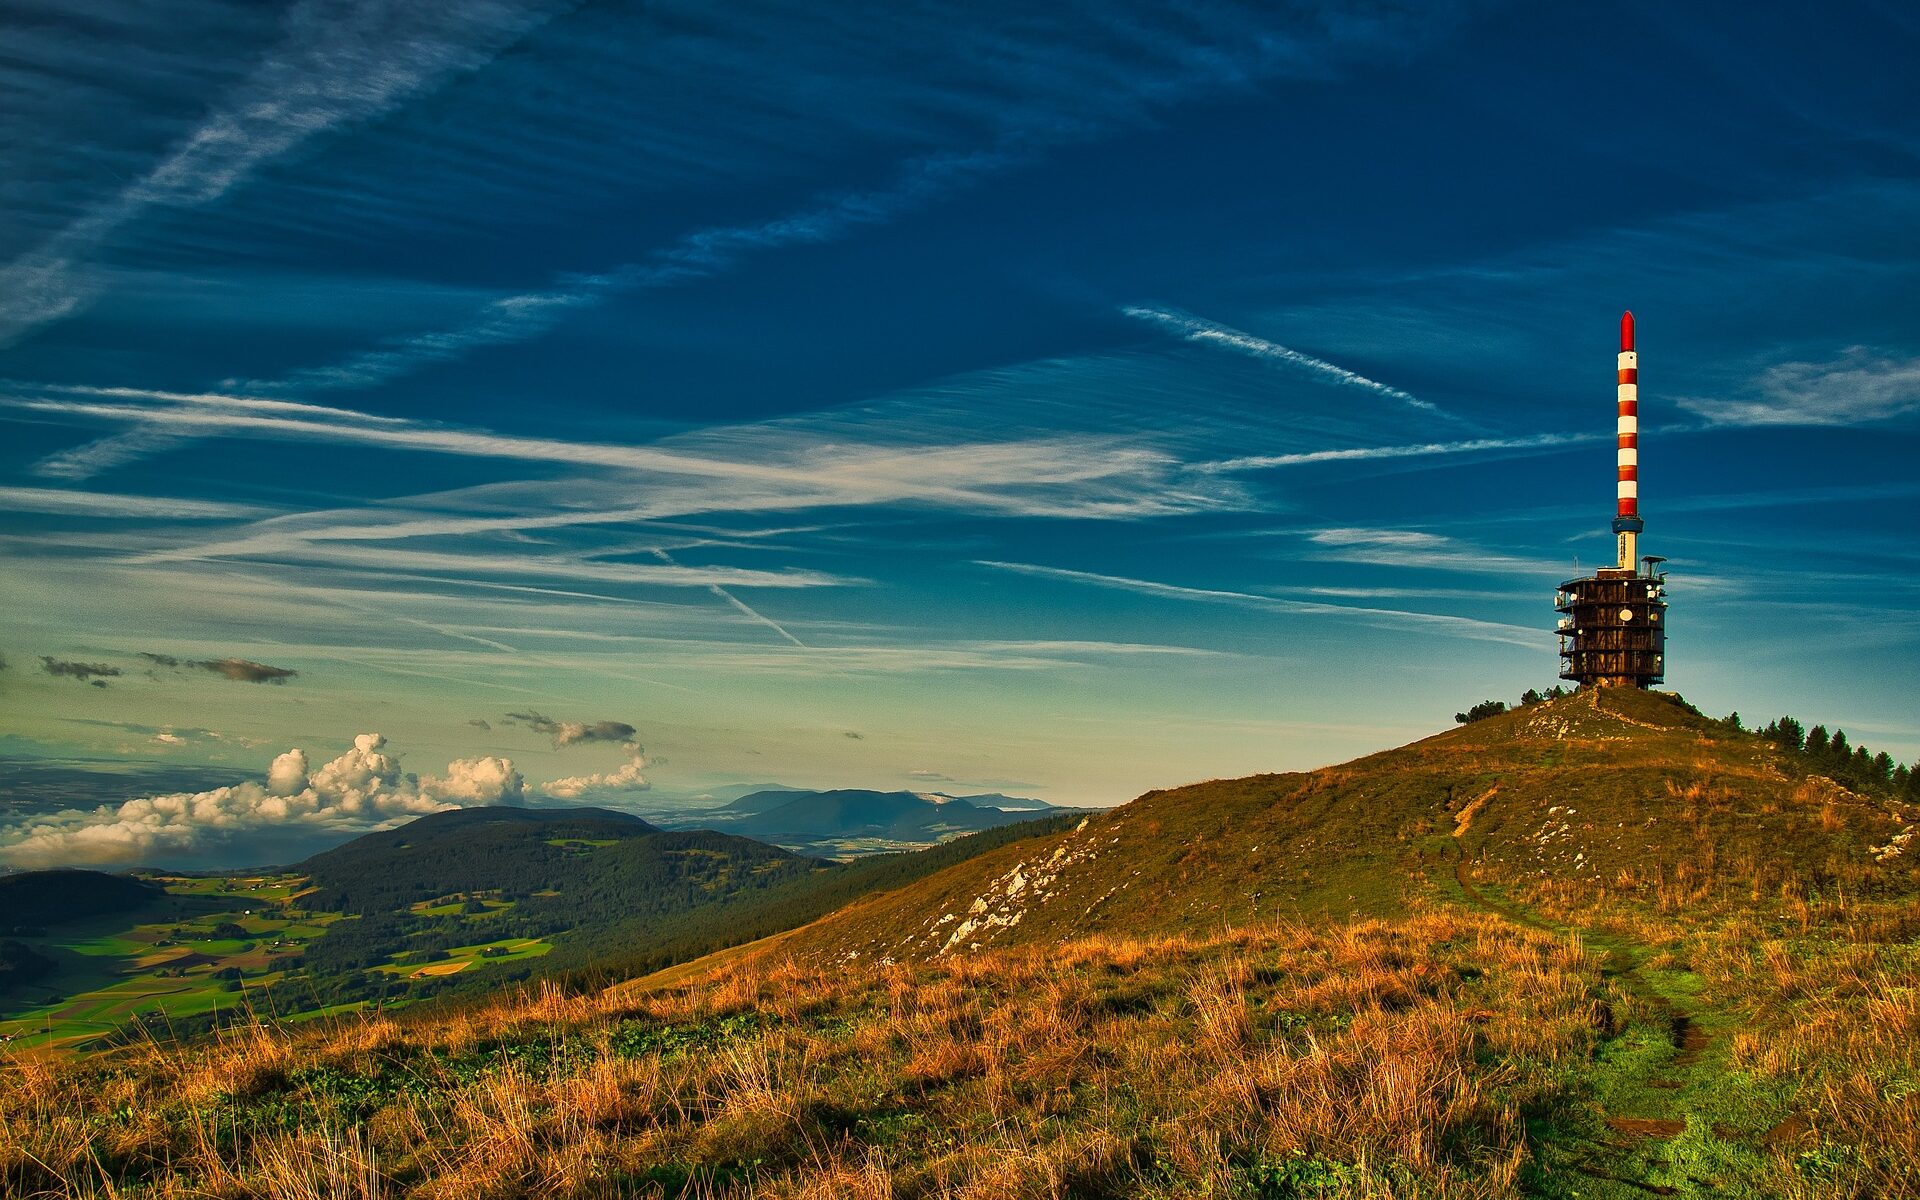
pixel 1668 1119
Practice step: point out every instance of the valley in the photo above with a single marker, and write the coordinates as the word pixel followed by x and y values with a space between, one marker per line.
pixel 451 905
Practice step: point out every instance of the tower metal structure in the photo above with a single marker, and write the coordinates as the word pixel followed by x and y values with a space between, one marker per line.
pixel 1613 623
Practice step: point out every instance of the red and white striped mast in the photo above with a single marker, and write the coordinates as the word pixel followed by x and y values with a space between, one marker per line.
pixel 1627 524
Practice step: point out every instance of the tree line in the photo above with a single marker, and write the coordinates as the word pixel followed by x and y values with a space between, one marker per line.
pixel 1827 753
pixel 1832 755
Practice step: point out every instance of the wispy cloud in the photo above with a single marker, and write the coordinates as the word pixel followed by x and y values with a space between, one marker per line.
pixel 1859 387
pixel 1417 549
pixel 338 62
pixel 1537 441
pixel 1194 329
pixel 699 255
pixel 1467 627
pixel 552 566
pixel 1043 94
pixel 100 504
pixel 866 459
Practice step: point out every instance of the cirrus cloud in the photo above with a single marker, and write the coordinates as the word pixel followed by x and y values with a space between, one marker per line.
pixel 1858 387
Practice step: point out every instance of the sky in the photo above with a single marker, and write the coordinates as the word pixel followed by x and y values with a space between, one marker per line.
pixel 409 404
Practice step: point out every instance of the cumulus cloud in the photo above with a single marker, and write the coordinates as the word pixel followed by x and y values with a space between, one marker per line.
pixel 570 733
pixel 95 673
pixel 240 670
pixel 362 789
pixel 475 782
pixel 627 778
pixel 288 774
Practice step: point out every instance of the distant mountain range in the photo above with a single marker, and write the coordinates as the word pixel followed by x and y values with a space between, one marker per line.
pixel 855 820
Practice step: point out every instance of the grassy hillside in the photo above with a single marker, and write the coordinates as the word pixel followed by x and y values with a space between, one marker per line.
pixel 1596 947
pixel 1596 795
pixel 1271 1062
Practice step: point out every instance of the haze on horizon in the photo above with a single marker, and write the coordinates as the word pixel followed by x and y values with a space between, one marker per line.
pixel 550 402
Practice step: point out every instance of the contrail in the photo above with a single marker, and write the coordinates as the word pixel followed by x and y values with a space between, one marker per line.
pixel 1196 330
pixel 734 600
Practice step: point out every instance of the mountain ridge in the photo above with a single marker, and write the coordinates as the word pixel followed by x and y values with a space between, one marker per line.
pixel 836 821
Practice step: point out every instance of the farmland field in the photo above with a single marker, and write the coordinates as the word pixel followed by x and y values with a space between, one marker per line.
pixel 210 945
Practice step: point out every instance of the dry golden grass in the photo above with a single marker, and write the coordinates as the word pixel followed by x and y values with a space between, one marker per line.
pixel 1399 1058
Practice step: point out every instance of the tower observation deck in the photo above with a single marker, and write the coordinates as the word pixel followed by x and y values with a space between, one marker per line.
pixel 1613 623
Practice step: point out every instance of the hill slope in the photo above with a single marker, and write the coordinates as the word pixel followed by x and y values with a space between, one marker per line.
pixel 466 849
pixel 1593 794
pixel 38 898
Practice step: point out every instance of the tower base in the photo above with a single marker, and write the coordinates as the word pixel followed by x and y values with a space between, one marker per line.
pixel 1613 629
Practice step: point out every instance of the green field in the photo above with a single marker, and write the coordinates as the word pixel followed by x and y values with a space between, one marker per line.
pixel 112 969
pixel 461 958
pixel 166 962
pixel 453 906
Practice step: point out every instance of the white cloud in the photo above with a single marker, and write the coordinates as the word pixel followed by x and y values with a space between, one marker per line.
pixel 471 782
pixel 98 504
pixel 1420 550
pixel 361 790
pixel 1860 386
pixel 288 774
pixel 1539 441
pixel 779 466
pixel 625 779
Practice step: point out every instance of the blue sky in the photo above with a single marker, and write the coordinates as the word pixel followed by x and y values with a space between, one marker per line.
pixel 950 396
